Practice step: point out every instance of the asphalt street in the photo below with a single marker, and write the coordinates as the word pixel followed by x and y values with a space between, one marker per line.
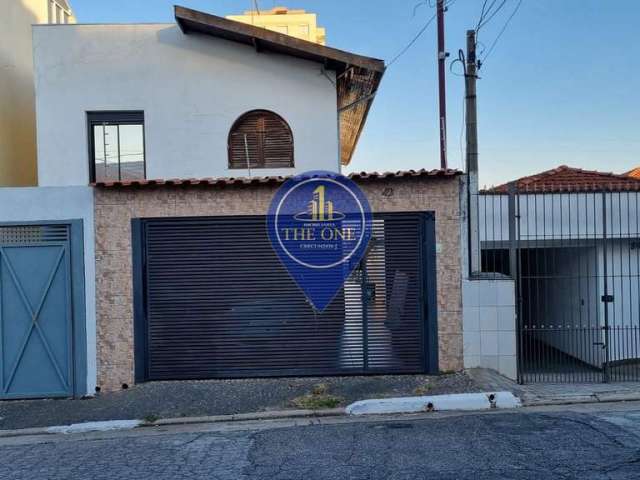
pixel 583 442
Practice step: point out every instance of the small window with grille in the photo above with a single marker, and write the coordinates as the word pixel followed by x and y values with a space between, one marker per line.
pixel 116 146
pixel 260 139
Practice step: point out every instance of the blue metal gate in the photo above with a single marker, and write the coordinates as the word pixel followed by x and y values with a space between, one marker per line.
pixel 37 311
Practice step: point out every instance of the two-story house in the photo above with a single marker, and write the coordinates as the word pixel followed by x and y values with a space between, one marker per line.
pixel 160 147
pixel 206 97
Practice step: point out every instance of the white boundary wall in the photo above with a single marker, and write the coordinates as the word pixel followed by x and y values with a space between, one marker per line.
pixel 488 312
pixel 489 325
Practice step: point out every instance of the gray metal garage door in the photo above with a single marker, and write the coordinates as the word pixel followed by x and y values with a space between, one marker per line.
pixel 37 312
pixel 213 300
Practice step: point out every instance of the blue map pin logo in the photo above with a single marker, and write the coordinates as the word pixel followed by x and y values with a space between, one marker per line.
pixel 319 224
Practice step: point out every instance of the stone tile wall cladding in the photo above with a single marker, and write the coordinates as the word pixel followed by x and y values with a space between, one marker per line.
pixel 116 206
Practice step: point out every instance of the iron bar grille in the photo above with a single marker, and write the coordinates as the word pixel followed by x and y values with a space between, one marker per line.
pixel 577 259
pixel 219 303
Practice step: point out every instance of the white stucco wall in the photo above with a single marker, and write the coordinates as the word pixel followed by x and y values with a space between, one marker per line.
pixel 191 88
pixel 67 203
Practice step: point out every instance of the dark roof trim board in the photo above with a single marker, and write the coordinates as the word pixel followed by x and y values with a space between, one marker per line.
pixel 358 77
pixel 194 21
pixel 254 181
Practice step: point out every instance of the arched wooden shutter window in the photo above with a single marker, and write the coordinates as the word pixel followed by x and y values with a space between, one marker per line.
pixel 260 139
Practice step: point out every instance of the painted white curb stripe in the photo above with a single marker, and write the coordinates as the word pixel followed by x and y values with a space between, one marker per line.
pixel 96 426
pixel 461 401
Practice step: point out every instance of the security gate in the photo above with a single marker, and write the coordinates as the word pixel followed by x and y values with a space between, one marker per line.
pixel 39 307
pixel 575 256
pixel 213 301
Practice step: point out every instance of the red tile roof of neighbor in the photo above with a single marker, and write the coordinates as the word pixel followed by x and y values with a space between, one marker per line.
pixel 568 179
pixel 635 173
pixel 223 181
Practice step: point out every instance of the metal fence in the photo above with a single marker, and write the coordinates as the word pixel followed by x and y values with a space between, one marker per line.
pixel 575 258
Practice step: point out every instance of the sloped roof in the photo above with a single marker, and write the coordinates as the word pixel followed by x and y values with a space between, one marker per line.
pixel 635 173
pixel 358 77
pixel 565 179
pixel 247 181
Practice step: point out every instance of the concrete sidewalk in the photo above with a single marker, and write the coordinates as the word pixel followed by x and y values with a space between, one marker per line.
pixel 158 400
pixel 230 400
pixel 556 393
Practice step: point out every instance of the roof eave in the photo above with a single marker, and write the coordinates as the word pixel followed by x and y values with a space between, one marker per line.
pixel 276 179
pixel 195 21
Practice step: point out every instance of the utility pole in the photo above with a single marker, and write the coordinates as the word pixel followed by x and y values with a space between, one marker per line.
pixel 471 123
pixel 442 56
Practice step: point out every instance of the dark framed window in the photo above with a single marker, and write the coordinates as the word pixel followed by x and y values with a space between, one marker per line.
pixel 116 146
pixel 260 139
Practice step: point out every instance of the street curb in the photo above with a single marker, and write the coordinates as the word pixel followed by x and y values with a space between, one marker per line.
pixel 329 412
pixel 582 399
pixel 244 417
pixel 238 417
pixel 433 403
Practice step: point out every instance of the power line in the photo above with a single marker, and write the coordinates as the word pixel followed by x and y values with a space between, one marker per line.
pixel 414 40
pixel 431 4
pixel 504 27
pixel 484 6
pixel 495 12
pixel 483 13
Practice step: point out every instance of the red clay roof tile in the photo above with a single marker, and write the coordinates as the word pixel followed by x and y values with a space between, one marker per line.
pixel 568 179
pixel 222 181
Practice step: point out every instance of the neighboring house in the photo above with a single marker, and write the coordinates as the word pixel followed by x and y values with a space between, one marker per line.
pixel 297 23
pixel 565 179
pixel 635 173
pixel 17 105
pixel 160 148
pixel 577 240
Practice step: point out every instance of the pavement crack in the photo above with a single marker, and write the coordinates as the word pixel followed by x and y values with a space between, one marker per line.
pixel 590 425
pixel 194 439
pixel 633 461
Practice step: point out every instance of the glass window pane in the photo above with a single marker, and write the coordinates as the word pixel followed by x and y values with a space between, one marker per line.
pixel 105 141
pixel 131 152
pixel 118 152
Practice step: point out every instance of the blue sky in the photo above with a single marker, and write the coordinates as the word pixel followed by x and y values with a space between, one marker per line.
pixel 561 86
